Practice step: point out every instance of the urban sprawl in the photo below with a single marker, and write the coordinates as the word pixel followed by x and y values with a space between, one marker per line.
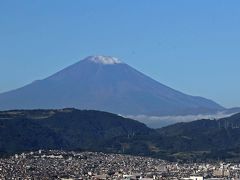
pixel 63 165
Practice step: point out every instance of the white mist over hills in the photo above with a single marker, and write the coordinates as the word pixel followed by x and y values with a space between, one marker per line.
pixel 105 83
pixel 161 121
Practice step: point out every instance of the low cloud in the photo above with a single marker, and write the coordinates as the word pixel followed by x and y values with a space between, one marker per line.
pixel 161 121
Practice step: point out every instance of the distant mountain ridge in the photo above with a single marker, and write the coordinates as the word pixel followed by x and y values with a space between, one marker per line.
pixel 105 83
pixel 72 129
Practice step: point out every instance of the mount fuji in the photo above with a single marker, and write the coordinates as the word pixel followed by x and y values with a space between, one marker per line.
pixel 107 84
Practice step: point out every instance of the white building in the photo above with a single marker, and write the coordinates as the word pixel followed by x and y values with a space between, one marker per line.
pixel 194 178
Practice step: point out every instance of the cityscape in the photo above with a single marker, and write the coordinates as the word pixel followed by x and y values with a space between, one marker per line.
pixel 63 165
pixel 119 90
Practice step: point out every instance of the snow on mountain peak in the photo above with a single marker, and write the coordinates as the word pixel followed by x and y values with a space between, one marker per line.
pixel 108 60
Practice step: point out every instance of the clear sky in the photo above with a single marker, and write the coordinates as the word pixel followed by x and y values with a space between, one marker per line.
pixel 192 46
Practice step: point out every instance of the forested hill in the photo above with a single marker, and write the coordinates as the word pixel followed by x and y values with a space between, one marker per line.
pixel 62 129
pixel 72 129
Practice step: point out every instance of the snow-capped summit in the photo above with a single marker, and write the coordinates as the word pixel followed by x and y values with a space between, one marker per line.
pixel 104 60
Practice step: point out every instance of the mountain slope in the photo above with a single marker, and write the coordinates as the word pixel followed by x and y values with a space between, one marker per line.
pixel 71 129
pixel 105 83
pixel 193 141
pixel 62 129
pixel 208 138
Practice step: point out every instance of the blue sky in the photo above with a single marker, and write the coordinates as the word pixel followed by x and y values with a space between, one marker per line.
pixel 192 46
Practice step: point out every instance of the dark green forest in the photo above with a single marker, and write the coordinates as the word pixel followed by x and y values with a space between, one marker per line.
pixel 86 130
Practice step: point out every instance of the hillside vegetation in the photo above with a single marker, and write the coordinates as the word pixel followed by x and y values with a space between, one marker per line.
pixel 71 129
